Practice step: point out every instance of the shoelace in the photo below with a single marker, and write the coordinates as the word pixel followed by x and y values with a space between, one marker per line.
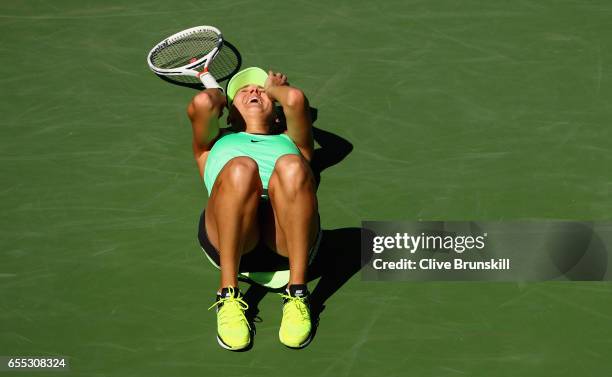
pixel 300 304
pixel 231 300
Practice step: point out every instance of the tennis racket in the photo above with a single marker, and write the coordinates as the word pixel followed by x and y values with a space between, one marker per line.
pixel 185 57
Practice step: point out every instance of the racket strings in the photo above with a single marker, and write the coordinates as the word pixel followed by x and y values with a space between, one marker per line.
pixel 225 64
pixel 185 50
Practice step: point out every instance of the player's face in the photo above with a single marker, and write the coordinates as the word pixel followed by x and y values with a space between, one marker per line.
pixel 252 100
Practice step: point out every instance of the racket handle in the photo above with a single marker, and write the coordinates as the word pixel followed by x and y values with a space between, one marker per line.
pixel 209 81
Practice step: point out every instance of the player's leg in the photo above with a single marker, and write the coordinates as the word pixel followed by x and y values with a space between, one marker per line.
pixel 231 215
pixel 231 225
pixel 292 194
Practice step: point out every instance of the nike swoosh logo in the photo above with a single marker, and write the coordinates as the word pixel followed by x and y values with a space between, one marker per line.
pixel 255 141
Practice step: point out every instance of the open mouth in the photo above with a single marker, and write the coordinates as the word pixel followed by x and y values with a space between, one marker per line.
pixel 254 100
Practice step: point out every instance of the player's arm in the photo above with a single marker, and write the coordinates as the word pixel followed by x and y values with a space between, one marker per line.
pixel 295 107
pixel 204 111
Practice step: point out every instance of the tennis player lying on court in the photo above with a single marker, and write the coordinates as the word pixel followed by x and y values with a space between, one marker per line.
pixel 261 195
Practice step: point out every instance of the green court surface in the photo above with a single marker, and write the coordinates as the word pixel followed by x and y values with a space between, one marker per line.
pixel 477 110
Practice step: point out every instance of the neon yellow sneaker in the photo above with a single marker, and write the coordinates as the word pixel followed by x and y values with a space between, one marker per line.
pixel 233 329
pixel 296 326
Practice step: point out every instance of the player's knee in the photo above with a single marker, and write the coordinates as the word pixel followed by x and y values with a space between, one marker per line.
pixel 292 171
pixel 242 173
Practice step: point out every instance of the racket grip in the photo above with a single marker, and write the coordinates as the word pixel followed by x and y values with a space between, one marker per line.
pixel 209 81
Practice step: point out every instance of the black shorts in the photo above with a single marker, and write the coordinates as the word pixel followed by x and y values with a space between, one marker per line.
pixel 260 259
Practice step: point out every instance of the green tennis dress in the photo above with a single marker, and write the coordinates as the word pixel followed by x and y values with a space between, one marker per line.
pixel 264 149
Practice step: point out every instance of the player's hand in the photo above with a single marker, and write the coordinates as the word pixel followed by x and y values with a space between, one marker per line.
pixel 275 79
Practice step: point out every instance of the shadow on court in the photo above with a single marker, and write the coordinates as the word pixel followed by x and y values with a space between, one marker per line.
pixel 338 259
pixel 339 254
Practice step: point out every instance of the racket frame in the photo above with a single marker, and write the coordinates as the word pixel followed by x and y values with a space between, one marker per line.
pixel 188 69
